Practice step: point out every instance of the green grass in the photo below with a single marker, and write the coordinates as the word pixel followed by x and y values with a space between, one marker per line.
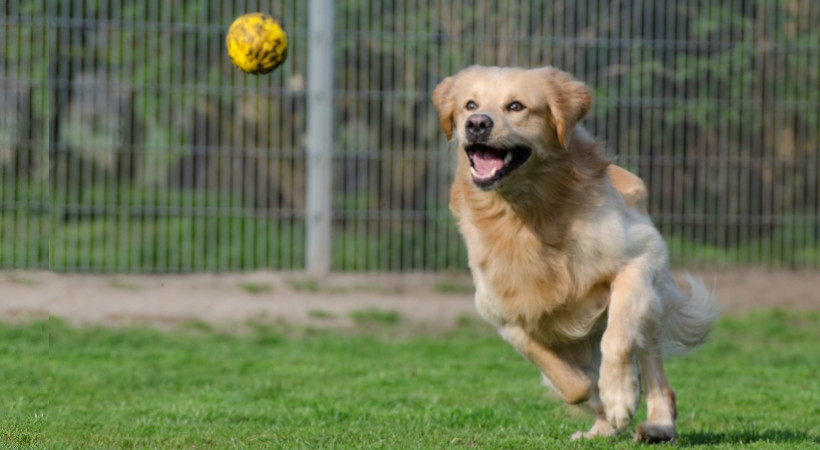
pixel 305 285
pixel 176 244
pixel 375 316
pixel 755 385
pixel 256 288
pixel 792 244
pixel 320 314
pixel 454 287
pixel 148 229
pixel 223 241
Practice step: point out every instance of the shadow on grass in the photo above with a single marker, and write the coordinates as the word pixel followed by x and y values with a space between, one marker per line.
pixel 747 437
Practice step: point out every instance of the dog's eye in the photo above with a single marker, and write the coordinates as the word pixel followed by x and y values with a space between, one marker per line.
pixel 515 106
pixel 471 105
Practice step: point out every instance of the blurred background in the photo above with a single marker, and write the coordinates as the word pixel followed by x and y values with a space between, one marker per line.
pixel 129 143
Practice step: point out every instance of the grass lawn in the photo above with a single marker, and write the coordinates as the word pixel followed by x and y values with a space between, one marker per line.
pixel 755 385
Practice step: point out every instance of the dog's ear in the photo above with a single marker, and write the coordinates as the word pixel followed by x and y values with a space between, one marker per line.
pixel 569 101
pixel 445 105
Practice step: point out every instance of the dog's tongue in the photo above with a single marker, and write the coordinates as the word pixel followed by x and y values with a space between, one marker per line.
pixel 485 160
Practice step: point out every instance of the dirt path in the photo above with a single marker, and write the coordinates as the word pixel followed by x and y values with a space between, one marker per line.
pixel 429 301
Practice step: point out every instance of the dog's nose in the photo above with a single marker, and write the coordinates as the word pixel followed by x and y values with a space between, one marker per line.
pixel 479 126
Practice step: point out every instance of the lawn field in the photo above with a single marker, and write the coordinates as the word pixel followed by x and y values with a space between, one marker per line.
pixel 756 384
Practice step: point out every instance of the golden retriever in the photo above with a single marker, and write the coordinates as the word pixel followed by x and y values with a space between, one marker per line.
pixel 566 262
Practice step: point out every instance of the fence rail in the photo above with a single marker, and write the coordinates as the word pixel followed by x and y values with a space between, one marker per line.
pixel 129 143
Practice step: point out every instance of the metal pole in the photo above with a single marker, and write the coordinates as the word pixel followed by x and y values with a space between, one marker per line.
pixel 319 136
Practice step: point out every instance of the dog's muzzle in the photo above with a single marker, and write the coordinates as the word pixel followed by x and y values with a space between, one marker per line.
pixel 490 165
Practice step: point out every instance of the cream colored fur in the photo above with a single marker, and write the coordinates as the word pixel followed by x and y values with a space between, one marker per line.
pixel 566 262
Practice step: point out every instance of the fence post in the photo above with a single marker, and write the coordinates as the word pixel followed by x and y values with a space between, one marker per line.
pixel 319 136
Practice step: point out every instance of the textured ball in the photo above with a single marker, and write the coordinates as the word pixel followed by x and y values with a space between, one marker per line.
pixel 257 43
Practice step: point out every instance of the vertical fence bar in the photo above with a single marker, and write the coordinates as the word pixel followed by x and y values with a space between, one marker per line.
pixel 319 135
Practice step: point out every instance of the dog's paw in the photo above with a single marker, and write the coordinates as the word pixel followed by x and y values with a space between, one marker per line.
pixel 601 428
pixel 653 433
pixel 618 388
pixel 619 415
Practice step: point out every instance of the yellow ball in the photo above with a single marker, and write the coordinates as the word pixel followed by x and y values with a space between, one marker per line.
pixel 257 43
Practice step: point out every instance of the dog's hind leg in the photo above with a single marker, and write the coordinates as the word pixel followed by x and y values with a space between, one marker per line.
pixel 660 398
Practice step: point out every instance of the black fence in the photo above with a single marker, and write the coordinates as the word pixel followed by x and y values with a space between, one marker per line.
pixel 128 141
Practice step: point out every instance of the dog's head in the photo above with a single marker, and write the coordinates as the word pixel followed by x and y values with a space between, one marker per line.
pixel 503 118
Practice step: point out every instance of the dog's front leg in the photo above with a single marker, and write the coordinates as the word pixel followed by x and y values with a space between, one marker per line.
pixel 570 381
pixel 570 378
pixel 632 308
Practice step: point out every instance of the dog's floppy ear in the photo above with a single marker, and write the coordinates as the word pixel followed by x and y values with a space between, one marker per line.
pixel 569 101
pixel 445 105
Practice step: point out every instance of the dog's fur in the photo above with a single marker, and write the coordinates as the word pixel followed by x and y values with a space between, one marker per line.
pixel 566 262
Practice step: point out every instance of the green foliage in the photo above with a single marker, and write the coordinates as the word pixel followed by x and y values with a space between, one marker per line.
pixel 24 224
pixel 755 384
pixel 715 104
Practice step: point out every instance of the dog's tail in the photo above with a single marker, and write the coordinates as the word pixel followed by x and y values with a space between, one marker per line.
pixel 688 318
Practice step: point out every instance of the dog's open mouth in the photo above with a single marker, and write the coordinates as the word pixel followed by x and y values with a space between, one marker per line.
pixel 489 165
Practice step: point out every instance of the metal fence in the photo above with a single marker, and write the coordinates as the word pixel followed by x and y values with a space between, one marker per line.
pixel 128 142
